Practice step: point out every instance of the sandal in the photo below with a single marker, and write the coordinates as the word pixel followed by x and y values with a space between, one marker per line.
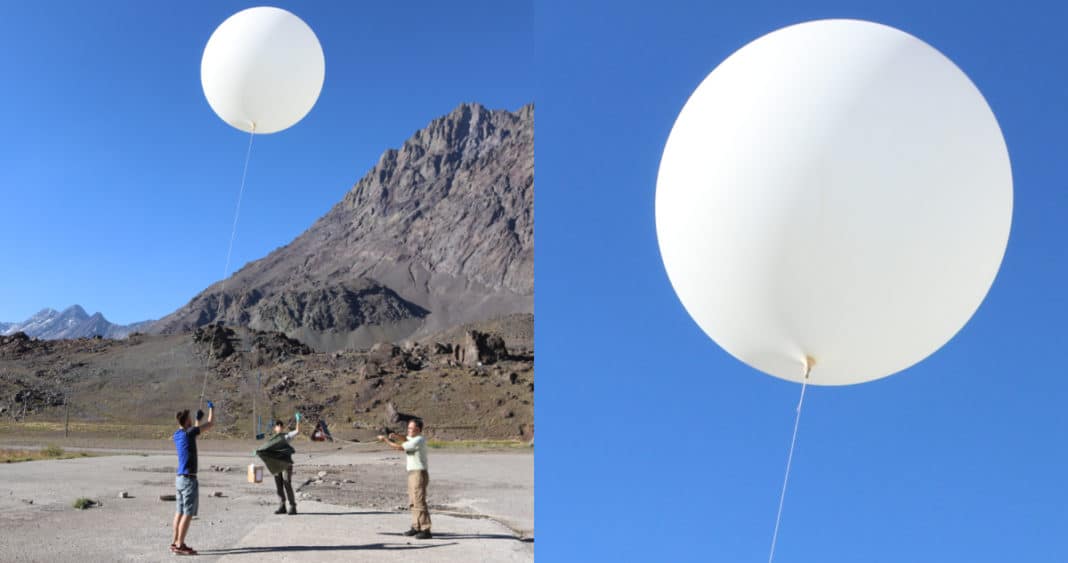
pixel 185 550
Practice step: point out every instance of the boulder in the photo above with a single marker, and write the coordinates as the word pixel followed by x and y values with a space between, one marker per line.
pixel 480 349
pixel 397 417
pixel 383 352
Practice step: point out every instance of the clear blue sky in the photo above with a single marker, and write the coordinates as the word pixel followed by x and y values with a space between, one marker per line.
pixel 118 182
pixel 655 445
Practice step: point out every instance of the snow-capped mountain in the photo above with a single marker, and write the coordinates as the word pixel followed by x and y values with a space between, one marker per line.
pixel 72 322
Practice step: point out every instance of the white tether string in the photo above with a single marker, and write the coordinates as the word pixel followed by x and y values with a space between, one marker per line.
pixel 230 249
pixel 789 461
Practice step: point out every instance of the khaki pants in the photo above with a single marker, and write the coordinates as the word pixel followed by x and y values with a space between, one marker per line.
pixel 417 482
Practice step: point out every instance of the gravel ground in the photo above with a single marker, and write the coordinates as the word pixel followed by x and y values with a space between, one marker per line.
pixel 482 506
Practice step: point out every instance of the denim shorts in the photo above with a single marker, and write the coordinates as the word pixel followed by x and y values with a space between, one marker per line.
pixel 188 494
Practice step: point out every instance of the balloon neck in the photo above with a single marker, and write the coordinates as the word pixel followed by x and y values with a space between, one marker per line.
pixel 809 363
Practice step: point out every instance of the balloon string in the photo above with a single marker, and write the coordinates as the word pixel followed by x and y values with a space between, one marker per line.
pixel 230 249
pixel 237 210
pixel 789 461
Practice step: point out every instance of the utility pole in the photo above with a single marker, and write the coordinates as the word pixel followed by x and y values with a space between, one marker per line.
pixel 254 428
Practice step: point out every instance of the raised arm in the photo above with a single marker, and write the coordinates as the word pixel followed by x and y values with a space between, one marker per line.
pixel 211 419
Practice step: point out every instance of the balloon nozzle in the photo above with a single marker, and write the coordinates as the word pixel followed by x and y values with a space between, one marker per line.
pixel 809 362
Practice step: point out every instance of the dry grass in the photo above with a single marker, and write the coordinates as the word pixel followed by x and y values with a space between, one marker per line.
pixel 480 444
pixel 45 453
pixel 83 503
pixel 111 429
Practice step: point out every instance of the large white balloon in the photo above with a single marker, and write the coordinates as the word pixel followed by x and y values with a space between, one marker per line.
pixel 262 70
pixel 837 190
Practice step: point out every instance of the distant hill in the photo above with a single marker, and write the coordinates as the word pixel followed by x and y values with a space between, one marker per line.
pixel 72 322
pixel 437 234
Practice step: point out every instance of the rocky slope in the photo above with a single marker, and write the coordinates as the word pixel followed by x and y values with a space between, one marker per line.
pixel 469 384
pixel 439 233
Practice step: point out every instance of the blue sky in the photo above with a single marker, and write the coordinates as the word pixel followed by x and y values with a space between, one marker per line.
pixel 658 446
pixel 118 182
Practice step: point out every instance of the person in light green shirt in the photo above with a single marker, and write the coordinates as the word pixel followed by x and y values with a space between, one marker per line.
pixel 415 449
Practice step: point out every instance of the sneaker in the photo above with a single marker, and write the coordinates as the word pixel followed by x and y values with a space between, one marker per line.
pixel 281 510
pixel 411 532
pixel 292 510
pixel 423 535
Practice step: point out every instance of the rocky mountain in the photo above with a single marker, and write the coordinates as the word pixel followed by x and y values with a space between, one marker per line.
pixel 438 233
pixel 72 322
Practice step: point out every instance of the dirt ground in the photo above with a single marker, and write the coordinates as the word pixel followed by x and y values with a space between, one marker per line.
pixel 482 505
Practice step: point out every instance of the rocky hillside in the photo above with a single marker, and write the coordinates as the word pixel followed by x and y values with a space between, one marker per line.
pixel 439 233
pixel 469 384
pixel 72 322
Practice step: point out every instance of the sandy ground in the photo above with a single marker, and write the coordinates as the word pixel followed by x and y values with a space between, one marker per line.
pixel 482 506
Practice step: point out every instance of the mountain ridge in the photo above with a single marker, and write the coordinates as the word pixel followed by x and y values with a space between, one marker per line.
pixel 72 322
pixel 438 233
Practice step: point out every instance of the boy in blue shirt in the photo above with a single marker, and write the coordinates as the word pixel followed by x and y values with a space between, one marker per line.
pixel 188 496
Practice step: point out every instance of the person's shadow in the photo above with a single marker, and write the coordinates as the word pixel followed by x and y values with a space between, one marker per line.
pixel 364 513
pixel 448 536
pixel 301 548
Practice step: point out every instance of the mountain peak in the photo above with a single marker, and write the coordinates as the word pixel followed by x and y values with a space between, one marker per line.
pixel 76 311
pixel 440 231
pixel 73 322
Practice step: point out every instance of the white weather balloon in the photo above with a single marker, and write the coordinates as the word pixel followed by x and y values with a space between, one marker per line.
pixel 262 69
pixel 838 190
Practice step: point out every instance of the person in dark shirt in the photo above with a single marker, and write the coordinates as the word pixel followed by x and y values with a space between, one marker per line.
pixel 279 461
pixel 321 432
pixel 188 496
